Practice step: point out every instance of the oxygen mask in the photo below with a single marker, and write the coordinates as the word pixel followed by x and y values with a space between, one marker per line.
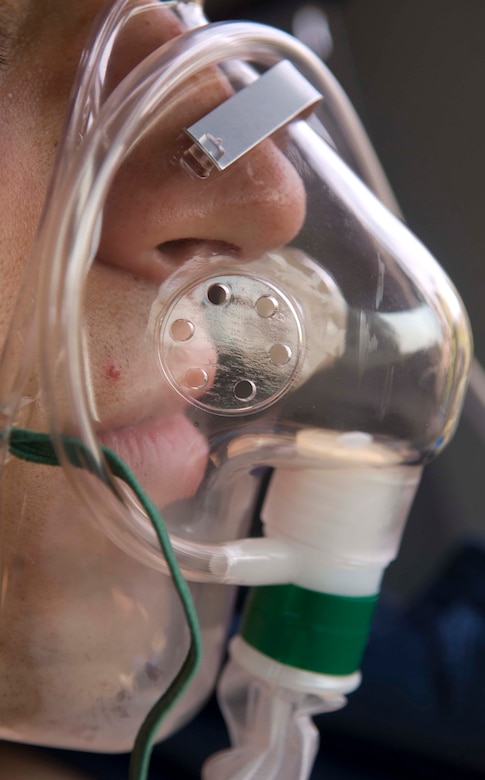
pixel 218 290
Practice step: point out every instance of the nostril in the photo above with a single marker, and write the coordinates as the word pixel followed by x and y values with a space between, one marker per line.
pixel 179 250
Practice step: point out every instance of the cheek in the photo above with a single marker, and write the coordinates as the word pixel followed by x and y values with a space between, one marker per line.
pixel 27 151
pixel 22 188
pixel 19 212
pixel 34 92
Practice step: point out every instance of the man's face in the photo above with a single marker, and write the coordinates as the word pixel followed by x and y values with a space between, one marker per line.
pixel 156 217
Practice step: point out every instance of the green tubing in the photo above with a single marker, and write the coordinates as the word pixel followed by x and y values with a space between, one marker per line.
pixel 316 632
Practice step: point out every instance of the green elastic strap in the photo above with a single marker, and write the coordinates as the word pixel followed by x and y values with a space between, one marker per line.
pixel 38 448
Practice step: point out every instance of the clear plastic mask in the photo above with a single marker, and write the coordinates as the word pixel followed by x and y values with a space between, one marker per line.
pixel 207 325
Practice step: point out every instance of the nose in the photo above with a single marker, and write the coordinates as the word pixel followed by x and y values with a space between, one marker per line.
pixel 157 214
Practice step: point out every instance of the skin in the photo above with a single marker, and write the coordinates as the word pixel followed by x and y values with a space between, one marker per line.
pixel 156 217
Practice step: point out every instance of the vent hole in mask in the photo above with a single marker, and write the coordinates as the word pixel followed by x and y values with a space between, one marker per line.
pixel 244 390
pixel 218 294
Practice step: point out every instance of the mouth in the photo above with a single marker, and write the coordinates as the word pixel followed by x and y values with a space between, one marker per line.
pixel 150 432
pixel 168 456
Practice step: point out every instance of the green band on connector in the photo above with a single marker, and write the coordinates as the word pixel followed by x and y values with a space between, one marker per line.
pixel 317 632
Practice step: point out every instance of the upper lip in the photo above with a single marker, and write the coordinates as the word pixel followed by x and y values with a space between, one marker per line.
pixel 142 394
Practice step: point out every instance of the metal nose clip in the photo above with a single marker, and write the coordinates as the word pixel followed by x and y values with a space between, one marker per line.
pixel 247 118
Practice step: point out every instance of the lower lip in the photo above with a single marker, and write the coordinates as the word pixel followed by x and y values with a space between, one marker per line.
pixel 168 456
